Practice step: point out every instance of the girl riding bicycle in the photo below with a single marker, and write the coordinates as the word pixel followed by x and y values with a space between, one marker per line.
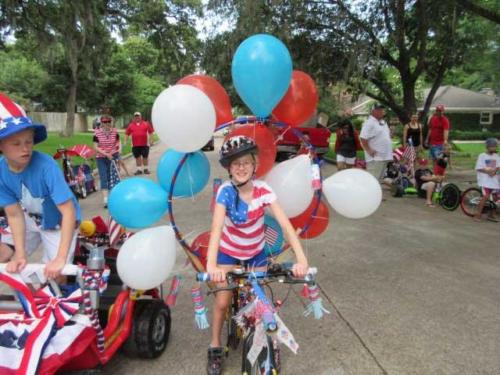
pixel 237 234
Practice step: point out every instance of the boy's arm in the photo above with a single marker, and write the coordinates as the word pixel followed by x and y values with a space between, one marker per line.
pixel 55 266
pixel 299 269
pixel 15 217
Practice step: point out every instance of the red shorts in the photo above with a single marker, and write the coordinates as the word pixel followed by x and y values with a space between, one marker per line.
pixel 438 170
pixel 490 192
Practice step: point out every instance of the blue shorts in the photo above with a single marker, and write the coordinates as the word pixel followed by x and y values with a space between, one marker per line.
pixel 103 166
pixel 435 150
pixel 259 260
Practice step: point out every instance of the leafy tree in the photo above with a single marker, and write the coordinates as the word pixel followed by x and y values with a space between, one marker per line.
pixel 21 77
pixel 385 48
pixel 169 25
pixel 76 26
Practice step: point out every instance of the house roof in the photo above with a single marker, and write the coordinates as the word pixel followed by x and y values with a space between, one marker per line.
pixel 362 106
pixel 454 99
pixel 457 99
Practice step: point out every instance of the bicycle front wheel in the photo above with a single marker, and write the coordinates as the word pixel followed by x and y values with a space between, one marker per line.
pixel 470 201
pixel 268 360
pixel 450 197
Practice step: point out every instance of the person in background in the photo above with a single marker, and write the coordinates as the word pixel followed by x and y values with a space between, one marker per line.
pixel 107 145
pixel 437 135
pixel 376 141
pixel 346 144
pixel 413 131
pixel 426 182
pixel 488 177
pixel 140 131
pixel 443 161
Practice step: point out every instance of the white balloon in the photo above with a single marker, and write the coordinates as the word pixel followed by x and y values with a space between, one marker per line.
pixel 291 180
pixel 146 259
pixel 353 193
pixel 184 118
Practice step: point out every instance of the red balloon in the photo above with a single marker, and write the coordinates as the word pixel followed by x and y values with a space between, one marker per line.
pixel 264 139
pixel 214 90
pixel 299 102
pixel 200 246
pixel 317 224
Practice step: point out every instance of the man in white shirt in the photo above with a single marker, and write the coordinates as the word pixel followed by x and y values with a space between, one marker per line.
pixel 375 138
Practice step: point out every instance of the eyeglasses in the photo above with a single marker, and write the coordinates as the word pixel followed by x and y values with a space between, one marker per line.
pixel 239 164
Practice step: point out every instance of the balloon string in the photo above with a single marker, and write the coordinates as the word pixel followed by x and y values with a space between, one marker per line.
pixel 187 249
pixel 190 179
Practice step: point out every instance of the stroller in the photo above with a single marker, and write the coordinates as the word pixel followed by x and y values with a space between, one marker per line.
pixel 79 177
pixel 401 171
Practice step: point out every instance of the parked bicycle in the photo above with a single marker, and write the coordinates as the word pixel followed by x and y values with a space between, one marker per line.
pixel 253 317
pixel 470 199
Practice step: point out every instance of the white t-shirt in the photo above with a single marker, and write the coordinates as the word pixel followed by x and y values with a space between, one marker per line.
pixel 379 138
pixel 485 160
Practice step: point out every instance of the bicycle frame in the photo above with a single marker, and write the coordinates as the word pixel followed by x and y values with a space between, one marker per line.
pixel 256 315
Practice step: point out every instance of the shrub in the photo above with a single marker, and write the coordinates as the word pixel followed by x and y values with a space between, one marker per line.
pixel 466 135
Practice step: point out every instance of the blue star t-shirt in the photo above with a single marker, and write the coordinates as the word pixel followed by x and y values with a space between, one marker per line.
pixel 39 188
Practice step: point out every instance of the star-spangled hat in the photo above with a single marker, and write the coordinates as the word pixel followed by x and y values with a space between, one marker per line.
pixel 13 120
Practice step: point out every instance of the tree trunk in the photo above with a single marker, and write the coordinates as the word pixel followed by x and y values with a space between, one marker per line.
pixel 69 129
pixel 409 102
pixel 72 56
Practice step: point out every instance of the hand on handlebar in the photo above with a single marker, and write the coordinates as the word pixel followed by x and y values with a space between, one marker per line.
pixel 299 270
pixel 16 264
pixel 217 274
pixel 54 268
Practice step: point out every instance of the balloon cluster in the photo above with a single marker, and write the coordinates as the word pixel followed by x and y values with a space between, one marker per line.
pixel 185 117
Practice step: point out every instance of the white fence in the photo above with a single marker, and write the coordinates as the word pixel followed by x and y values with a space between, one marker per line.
pixel 56 121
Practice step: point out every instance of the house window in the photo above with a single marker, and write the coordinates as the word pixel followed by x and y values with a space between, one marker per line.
pixel 486 118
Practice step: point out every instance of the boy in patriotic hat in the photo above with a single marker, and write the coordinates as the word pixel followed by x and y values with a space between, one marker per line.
pixel 40 207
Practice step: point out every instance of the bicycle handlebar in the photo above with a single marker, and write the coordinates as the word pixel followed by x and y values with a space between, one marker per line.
pixel 263 275
pixel 37 269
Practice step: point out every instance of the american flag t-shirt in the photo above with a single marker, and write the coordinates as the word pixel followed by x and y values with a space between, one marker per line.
pixel 243 233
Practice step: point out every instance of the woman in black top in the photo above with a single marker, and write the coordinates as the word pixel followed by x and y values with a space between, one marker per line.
pixel 413 131
pixel 346 145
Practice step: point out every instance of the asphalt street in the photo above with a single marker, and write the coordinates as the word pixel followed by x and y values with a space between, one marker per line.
pixel 411 290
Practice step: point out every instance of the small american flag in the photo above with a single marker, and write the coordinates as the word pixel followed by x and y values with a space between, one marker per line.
pixel 397 154
pixel 410 155
pixel 114 231
pixel 271 236
pixel 114 175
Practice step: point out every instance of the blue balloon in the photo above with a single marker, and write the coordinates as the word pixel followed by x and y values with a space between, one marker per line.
pixel 274 236
pixel 261 70
pixel 137 202
pixel 192 177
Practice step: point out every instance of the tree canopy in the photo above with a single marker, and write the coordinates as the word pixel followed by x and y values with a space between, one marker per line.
pixel 122 53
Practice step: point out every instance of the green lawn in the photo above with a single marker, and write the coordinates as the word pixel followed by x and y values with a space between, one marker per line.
pixel 54 141
pixel 465 154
